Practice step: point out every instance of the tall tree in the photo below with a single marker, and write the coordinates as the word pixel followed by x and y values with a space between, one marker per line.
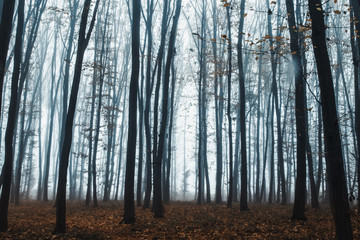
pixel 7 13
pixel 274 88
pixel 12 119
pixel 53 99
pixel 129 205
pixel 300 185
pixel 159 59
pixel 230 196
pixel 243 194
pixel 83 42
pixel 158 208
pixel 219 108
pixel 333 156
pixel 148 90
pixel 354 31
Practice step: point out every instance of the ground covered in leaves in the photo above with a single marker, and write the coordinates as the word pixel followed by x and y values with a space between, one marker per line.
pixel 35 220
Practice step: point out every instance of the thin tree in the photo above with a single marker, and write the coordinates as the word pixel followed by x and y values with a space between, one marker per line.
pixel 243 193
pixel 7 13
pixel 148 90
pixel 230 196
pixel 12 119
pixel 83 42
pixel 129 205
pixel 300 185
pixel 354 31
pixel 158 208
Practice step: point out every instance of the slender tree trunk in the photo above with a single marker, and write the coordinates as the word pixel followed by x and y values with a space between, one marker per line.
pixel 129 205
pixel 334 159
pixel 156 164
pixel 147 105
pixel 65 150
pixel 158 208
pixel 356 61
pixel 172 106
pixel 243 194
pixel 5 34
pixel 230 197
pixel 258 115
pixel 12 119
pixel 300 185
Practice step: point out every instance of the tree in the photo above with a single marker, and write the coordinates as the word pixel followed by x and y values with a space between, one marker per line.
pixel 300 185
pixel 158 208
pixel 356 60
pixel 7 13
pixel 83 41
pixel 12 119
pixel 159 59
pixel 148 90
pixel 230 196
pixel 333 155
pixel 219 108
pixel 129 205
pixel 37 11
pixel 243 195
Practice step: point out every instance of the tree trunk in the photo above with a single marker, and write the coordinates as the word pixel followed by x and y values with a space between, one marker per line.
pixel 333 156
pixel 5 33
pixel 129 205
pixel 148 89
pixel 300 185
pixel 218 111
pixel 243 194
pixel 158 208
pixel 65 150
pixel 230 196
pixel 9 135
pixel 356 60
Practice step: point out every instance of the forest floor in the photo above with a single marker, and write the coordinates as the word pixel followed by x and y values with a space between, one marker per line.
pixel 36 220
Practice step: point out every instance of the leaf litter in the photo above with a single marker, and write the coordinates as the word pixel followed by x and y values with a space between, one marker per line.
pixel 183 220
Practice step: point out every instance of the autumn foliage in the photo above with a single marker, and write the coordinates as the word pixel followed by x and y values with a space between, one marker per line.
pixel 34 220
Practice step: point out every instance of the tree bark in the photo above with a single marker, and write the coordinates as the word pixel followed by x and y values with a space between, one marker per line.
pixel 129 204
pixel 12 119
pixel 65 150
pixel 158 208
pixel 243 194
pixel 300 184
pixel 5 33
pixel 333 156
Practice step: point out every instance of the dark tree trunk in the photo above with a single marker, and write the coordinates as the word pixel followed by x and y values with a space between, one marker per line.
pixel 243 194
pixel 158 208
pixel 230 196
pixel 272 150
pixel 12 119
pixel 356 60
pixel 141 136
pixel 129 205
pixel 65 151
pixel 218 87
pixel 147 106
pixel 157 169
pixel 263 184
pixel 172 106
pixel 300 185
pixel 274 89
pixel 333 156
pixel 258 115
pixel 5 33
